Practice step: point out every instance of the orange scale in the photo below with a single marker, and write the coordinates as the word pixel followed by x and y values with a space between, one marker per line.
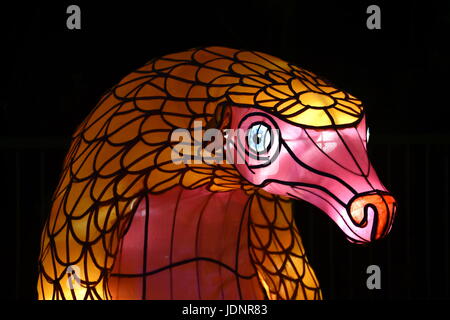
pixel 263 235
pixel 356 101
pixel 155 177
pixel 219 188
pixel 349 105
pixel 184 71
pixel 244 89
pixel 178 88
pixel 203 170
pixel 287 108
pixel 315 99
pixel 280 91
pixel 268 104
pixel 84 166
pixel 162 185
pixel 190 178
pixel 274 62
pixel 126 107
pixel 146 68
pixel 321 82
pixel 298 85
pixel 156 137
pixel 154 121
pixel 243 69
pixel 176 107
pixel 228 171
pixel 248 56
pixel 310 76
pixel 221 64
pixel 227 176
pixel 217 92
pixel 312 87
pixel 159 82
pixel 256 81
pixel 225 80
pixel 162 64
pixel 327 89
pixel 142 164
pixel 106 216
pixel 165 163
pixel 180 56
pixel 340 117
pixel 263 96
pixel 197 92
pixel 299 74
pixel 97 126
pixel 126 133
pixel 150 90
pixel 108 156
pixel 247 99
pixel 275 78
pixel 346 109
pixel 199 183
pixel 131 156
pixel 312 117
pixel 208 75
pixel 79 200
pixel 280 76
pixel 210 108
pixel 178 121
pixel 196 106
pixel 148 104
pixel 203 56
pixel 339 94
pixel 129 88
pixel 222 51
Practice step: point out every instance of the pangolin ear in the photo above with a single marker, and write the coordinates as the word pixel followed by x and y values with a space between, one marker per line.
pixel 222 117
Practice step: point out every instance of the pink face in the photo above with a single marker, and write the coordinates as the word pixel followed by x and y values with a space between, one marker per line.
pixel 326 167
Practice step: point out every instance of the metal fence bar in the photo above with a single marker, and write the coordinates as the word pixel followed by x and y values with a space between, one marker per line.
pixel 311 228
pixel 18 228
pixel 427 221
pixel 407 209
pixel 331 245
pixel 42 183
pixel 388 181
pixel 446 221
pixel 350 272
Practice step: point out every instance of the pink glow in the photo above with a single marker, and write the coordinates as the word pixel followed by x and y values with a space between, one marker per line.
pixel 329 168
pixel 183 226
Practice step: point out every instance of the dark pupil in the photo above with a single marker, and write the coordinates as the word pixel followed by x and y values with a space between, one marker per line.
pixel 256 139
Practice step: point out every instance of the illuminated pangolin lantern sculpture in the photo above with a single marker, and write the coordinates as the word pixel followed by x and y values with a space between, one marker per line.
pixel 129 222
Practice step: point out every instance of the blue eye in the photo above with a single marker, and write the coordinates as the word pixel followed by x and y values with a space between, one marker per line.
pixel 259 137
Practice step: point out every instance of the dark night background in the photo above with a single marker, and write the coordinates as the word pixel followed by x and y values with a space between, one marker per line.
pixel 53 77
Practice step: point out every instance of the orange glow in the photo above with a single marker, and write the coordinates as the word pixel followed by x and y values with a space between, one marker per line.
pixel 121 153
pixel 383 204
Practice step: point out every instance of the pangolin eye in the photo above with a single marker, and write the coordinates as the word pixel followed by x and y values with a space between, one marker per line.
pixel 259 137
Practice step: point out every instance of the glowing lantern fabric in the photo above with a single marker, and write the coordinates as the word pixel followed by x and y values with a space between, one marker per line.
pixel 127 222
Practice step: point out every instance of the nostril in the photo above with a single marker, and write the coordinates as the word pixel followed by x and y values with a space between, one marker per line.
pixel 380 206
pixel 359 213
